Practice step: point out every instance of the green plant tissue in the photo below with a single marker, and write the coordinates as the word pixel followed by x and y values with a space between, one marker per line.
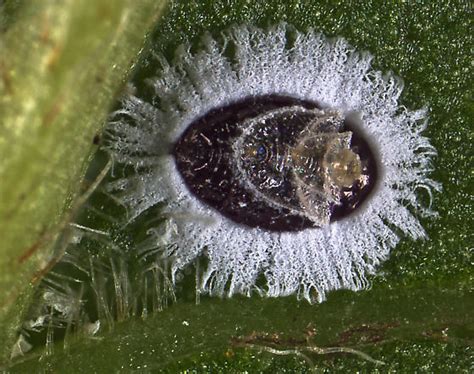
pixel 413 314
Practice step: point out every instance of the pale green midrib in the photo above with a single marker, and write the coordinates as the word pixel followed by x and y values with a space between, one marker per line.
pixel 43 160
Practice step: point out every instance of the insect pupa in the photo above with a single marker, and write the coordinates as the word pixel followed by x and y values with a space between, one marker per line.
pixel 281 164
pixel 291 160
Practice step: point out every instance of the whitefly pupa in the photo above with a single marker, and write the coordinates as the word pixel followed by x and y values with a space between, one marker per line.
pixel 287 158
pixel 280 164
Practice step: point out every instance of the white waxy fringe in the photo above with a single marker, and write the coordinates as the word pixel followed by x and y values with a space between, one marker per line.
pixel 310 262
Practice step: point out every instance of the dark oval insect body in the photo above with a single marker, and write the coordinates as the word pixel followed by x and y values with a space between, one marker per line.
pixel 278 163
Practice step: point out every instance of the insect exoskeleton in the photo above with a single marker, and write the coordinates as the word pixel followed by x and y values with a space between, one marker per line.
pixel 279 159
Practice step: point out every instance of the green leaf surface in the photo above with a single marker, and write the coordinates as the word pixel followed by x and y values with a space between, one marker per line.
pixel 188 335
pixel 417 315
